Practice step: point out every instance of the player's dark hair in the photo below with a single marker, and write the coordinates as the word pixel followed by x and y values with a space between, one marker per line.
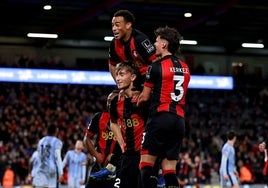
pixel 231 135
pixel 51 129
pixel 127 15
pixel 171 35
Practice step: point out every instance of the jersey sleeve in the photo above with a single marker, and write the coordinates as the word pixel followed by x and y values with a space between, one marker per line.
pixel 59 161
pixel 224 158
pixel 113 57
pixel 150 76
pixel 113 111
pixel 145 47
pixel 84 166
pixel 93 127
pixel 65 160
pixel 59 145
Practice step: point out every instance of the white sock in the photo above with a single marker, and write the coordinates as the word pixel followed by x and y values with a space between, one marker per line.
pixel 110 167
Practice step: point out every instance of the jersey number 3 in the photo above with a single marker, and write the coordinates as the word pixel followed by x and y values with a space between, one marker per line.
pixel 178 87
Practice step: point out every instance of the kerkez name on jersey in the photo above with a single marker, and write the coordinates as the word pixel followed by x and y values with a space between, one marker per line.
pixel 179 69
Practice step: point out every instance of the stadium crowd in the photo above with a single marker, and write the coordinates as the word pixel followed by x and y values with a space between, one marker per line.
pixel 25 110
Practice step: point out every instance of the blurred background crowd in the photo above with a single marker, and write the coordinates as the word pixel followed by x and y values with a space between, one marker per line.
pixel 26 109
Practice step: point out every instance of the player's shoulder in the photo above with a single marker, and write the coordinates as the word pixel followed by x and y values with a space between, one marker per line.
pixel 84 154
pixel 70 151
pixel 141 38
pixel 42 140
pixel 112 44
pixel 138 33
pixel 116 98
pixel 58 141
pixel 97 115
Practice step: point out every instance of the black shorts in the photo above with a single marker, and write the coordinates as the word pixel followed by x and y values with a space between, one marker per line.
pixel 100 182
pixel 163 135
pixel 129 171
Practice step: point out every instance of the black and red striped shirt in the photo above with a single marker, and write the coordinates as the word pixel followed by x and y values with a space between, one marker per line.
pixel 169 78
pixel 100 127
pixel 138 49
pixel 124 113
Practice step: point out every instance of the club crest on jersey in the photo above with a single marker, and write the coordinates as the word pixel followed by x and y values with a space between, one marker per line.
pixel 148 45
pixel 135 54
pixel 148 72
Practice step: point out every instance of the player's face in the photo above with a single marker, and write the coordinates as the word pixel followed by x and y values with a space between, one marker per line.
pixel 79 145
pixel 124 79
pixel 121 28
pixel 160 44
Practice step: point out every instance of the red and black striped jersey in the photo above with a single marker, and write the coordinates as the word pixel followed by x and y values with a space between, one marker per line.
pixel 100 127
pixel 125 113
pixel 169 78
pixel 138 49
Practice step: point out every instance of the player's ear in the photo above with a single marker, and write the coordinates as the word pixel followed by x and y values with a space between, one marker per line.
pixel 164 45
pixel 133 77
pixel 128 25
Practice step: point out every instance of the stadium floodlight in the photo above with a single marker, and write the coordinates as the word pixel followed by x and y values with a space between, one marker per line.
pixel 189 42
pixel 108 38
pixel 42 35
pixel 252 45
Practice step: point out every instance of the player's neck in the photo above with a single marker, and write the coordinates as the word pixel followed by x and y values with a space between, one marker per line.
pixel 128 93
pixel 165 53
pixel 127 36
pixel 231 142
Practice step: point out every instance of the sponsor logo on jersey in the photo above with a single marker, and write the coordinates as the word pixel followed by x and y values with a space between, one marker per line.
pixel 148 45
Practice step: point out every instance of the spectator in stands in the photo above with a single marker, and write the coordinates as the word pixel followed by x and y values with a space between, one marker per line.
pixel 8 177
pixel 245 174
pixel 73 106
pixel 262 146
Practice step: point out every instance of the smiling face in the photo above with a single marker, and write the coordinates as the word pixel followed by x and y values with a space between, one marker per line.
pixel 121 28
pixel 124 79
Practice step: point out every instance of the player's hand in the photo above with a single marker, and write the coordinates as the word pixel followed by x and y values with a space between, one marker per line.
pixel 99 158
pixel 107 160
pixel 60 180
pixel 82 182
pixel 226 177
pixel 236 173
pixel 122 146
pixel 29 178
pixel 262 146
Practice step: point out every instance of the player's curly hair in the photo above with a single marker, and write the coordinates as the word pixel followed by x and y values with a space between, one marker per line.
pixel 171 35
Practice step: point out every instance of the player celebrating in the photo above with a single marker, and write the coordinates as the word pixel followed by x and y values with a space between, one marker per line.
pixel 166 85
pixel 99 132
pixel 129 44
pixel 127 123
